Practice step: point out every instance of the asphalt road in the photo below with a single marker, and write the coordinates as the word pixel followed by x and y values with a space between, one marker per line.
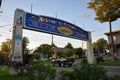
pixel 112 70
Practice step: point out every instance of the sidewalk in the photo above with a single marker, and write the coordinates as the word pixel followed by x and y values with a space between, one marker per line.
pixel 112 70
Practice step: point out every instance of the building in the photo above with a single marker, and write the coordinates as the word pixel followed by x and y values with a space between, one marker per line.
pixel 116 39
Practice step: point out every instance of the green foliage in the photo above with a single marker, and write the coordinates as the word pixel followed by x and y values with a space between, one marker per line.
pixel 69 46
pixel 3 59
pixel 106 10
pixel 90 72
pixel 4 75
pixel 84 61
pixel 67 75
pixel 60 53
pixel 110 63
pixel 95 48
pixel 45 49
pixel 69 53
pixel 78 51
pixel 85 72
pixel 79 72
pixel 100 45
pixel 36 56
pixel 41 71
pixel 6 45
pixel 25 42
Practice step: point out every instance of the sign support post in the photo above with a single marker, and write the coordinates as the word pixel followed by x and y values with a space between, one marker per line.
pixel 90 56
pixel 16 58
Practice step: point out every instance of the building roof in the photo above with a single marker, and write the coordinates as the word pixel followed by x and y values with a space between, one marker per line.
pixel 60 49
pixel 116 31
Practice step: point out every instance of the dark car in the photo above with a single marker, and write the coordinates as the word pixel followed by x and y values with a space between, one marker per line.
pixel 62 61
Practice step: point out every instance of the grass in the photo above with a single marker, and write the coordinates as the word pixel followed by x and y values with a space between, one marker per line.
pixel 110 63
pixel 4 75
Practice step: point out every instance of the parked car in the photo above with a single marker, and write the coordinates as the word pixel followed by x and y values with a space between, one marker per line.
pixel 62 61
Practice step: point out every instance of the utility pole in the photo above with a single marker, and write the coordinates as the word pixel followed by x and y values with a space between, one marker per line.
pixel 75 22
pixel 31 7
pixel 52 34
pixel 56 15
pixel 52 39
pixel 82 42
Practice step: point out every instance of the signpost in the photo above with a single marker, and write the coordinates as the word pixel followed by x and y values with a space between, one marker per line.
pixel 16 58
pixel 44 24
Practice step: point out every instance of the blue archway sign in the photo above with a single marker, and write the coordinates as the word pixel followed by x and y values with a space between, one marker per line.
pixel 23 19
pixel 54 26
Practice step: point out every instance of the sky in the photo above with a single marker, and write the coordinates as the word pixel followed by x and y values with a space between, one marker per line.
pixel 73 11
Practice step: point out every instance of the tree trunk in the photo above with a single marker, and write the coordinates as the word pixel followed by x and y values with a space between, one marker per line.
pixel 112 42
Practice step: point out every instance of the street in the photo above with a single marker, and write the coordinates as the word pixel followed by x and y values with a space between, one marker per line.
pixel 112 70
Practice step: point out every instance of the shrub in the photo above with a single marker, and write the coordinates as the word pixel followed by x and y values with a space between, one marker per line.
pixel 3 59
pixel 99 59
pixel 84 72
pixel 39 70
pixel 84 61
pixel 67 75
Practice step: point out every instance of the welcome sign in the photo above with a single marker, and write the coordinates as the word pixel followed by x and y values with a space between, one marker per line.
pixel 54 26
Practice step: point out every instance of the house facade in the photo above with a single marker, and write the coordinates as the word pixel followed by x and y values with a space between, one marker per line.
pixel 116 39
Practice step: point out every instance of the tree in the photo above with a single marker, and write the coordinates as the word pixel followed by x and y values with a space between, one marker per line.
pixel 69 45
pixel 95 48
pixel 60 53
pixel 6 45
pixel 69 53
pixel 106 11
pixel 46 50
pixel 25 42
pixel 5 48
pixel 100 45
pixel 3 59
pixel 78 51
